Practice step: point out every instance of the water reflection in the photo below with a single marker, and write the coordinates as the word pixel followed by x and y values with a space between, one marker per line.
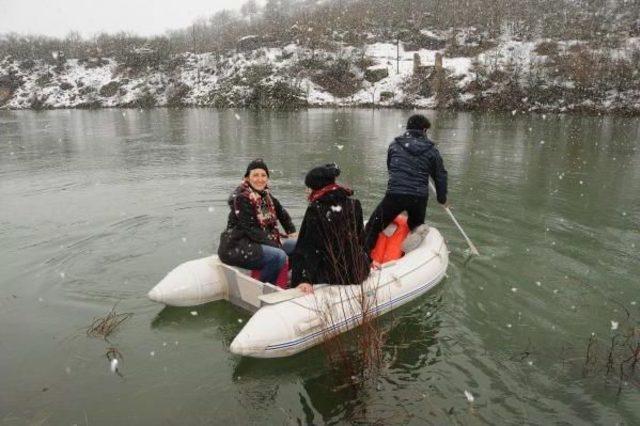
pixel 330 397
pixel 98 205
pixel 225 319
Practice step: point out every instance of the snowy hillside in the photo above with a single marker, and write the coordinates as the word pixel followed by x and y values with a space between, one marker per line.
pixel 505 75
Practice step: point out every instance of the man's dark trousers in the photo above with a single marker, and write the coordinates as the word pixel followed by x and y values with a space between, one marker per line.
pixel 390 206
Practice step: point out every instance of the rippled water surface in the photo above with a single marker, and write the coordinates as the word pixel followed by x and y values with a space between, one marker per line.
pixel 97 206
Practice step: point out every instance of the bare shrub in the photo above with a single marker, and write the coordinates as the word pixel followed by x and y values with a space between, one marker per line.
pixel 469 50
pixel 547 48
pixel 617 358
pixel 44 79
pixel 109 89
pixel 337 78
pixel 9 83
pixel 279 95
pixel 146 99
pixel 176 94
pixel 357 356
pixel 27 65
pixel 104 326
pixel 90 63
pixel 38 102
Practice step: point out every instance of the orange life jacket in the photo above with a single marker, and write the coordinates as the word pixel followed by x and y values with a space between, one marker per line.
pixel 390 248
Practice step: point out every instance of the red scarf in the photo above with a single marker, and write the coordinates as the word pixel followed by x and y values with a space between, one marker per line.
pixel 326 189
pixel 263 208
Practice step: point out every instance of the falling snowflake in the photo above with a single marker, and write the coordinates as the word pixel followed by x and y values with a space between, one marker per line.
pixel 237 116
pixel 211 209
pixel 469 396
pixel 194 313
pixel 339 147
pixel 152 353
pixel 184 239
pixel 513 289
pixel 336 209
pixel 614 325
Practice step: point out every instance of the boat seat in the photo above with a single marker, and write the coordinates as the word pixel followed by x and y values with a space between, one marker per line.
pixel 244 291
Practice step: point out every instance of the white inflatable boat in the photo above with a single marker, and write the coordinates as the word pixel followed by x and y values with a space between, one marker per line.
pixel 286 322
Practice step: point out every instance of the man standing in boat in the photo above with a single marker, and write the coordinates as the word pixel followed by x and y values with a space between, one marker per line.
pixel 411 159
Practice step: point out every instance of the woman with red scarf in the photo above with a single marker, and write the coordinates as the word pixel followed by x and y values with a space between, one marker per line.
pixel 252 239
pixel 330 247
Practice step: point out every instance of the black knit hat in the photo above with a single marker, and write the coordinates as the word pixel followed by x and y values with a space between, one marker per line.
pixel 258 163
pixel 418 122
pixel 321 176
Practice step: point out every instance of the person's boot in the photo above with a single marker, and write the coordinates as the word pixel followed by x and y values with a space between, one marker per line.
pixel 415 238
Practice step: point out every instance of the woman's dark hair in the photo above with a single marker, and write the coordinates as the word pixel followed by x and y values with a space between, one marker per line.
pixel 258 163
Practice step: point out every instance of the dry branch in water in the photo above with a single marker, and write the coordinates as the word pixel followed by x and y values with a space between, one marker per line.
pixel 357 357
pixel 622 355
pixel 103 327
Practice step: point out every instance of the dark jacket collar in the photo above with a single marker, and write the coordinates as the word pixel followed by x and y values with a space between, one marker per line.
pixel 418 134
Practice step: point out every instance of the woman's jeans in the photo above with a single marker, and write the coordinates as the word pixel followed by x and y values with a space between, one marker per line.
pixel 273 258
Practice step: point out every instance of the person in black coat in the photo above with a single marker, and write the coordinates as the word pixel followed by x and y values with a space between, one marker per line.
pixel 330 243
pixel 252 239
pixel 411 159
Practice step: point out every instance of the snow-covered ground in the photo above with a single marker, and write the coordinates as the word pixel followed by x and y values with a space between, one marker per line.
pixel 206 79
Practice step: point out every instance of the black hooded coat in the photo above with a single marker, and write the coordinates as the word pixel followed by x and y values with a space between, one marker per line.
pixel 240 243
pixel 330 243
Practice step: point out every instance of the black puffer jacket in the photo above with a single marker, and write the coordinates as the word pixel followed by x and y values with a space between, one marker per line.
pixel 330 244
pixel 240 243
pixel 411 159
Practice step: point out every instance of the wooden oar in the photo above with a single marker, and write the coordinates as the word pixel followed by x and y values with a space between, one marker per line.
pixel 472 247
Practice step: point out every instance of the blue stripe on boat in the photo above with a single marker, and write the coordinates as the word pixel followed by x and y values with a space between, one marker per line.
pixel 378 309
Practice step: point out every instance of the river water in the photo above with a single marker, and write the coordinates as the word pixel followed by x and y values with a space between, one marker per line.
pixel 97 206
